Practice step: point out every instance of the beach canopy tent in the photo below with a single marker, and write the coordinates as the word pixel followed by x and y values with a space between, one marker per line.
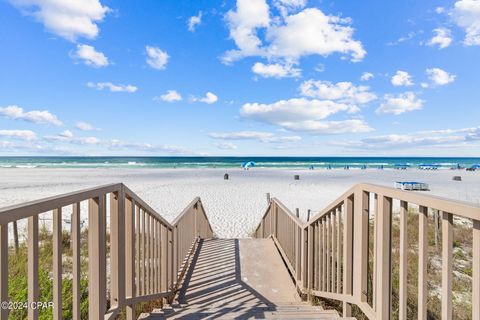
pixel 428 166
pixel 248 164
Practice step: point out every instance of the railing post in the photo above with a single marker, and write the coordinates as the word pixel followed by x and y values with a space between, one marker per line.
pixel 75 236
pixel 175 256
pixel 310 260
pixel 360 245
pixel 3 269
pixel 117 248
pixel 96 255
pixel 402 305
pixel 57 264
pixel 130 255
pixel 348 253
pixel 383 240
pixel 422 263
pixel 476 270
pixel 33 288
pixel 447 263
pixel 304 258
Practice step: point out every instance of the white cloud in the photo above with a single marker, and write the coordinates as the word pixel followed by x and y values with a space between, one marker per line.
pixel 398 104
pixel 70 19
pixel 447 137
pixel 170 96
pixel 345 92
pixel 116 144
pixel 442 38
pixel 288 6
pixel 156 58
pixel 466 14
pixel 266 137
pixel 209 98
pixel 290 37
pixel 194 21
pixel 19 134
pixel 276 70
pixel 90 56
pixel 304 115
pixel 440 77
pixel 112 87
pixel 226 146
pixel 440 10
pixel 67 134
pixel 402 78
pixel 17 113
pixel 85 126
pixel 366 76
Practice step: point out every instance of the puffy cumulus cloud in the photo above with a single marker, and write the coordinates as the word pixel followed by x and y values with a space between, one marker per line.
pixel 345 92
pixel 209 98
pixel 442 38
pixel 398 104
pixel 262 136
pixel 90 56
pixel 402 79
pixel 288 6
pixel 170 96
pixel 366 76
pixel 439 77
pixel 194 21
pixel 291 36
pixel 85 126
pixel 69 19
pixel 304 115
pixel 156 58
pixel 276 70
pixel 447 137
pixel 312 32
pixel 226 146
pixel 19 134
pixel 466 14
pixel 36 116
pixel 112 87
pixel 68 137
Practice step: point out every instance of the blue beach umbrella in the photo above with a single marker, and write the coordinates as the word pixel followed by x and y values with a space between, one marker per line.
pixel 475 166
pixel 248 164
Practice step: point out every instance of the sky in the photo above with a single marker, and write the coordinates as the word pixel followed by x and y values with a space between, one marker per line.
pixel 236 78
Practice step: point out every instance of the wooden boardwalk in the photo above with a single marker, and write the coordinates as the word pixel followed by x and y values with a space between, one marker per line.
pixel 239 279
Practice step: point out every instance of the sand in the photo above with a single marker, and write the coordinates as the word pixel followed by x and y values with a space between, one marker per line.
pixel 233 206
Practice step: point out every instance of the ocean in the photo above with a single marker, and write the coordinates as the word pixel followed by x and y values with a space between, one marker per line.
pixel 236 162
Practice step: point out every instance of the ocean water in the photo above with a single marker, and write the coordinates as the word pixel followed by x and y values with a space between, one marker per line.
pixel 234 162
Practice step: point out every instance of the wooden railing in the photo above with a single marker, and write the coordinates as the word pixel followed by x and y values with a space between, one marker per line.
pixel 146 256
pixel 330 256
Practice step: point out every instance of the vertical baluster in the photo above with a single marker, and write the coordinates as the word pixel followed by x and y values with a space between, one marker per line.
pixel 447 262
pixel 329 251
pixel 164 256
pixel 384 248
pixel 403 261
pixel 325 255
pixel 422 263
pixel 57 264
pixel 33 288
pixel 360 245
pixel 347 253
pixel 320 255
pixel 339 251
pixel 174 260
pixel 476 270
pixel 159 257
pixel 3 269
pixel 315 255
pixel 152 255
pixel 96 258
pixel 148 268
pixel 375 252
pixel 310 258
pixel 76 272
pixel 304 258
pixel 117 248
pixel 170 259
pixel 142 261
pixel 298 273
pixel 334 250
pixel 130 254
pixel 138 237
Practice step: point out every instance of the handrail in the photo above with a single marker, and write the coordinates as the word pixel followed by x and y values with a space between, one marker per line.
pixel 332 249
pixel 148 256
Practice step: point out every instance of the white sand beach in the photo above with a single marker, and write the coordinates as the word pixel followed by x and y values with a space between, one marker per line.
pixel 234 206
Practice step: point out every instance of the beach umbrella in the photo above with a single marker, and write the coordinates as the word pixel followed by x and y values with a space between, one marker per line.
pixel 475 166
pixel 248 164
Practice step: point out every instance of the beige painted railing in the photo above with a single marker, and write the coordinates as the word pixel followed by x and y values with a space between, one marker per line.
pixel 147 255
pixel 329 255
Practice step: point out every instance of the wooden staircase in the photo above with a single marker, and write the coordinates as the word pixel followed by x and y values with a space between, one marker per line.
pixel 239 279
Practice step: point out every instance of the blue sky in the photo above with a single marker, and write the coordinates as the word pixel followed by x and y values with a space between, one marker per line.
pixel 245 77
